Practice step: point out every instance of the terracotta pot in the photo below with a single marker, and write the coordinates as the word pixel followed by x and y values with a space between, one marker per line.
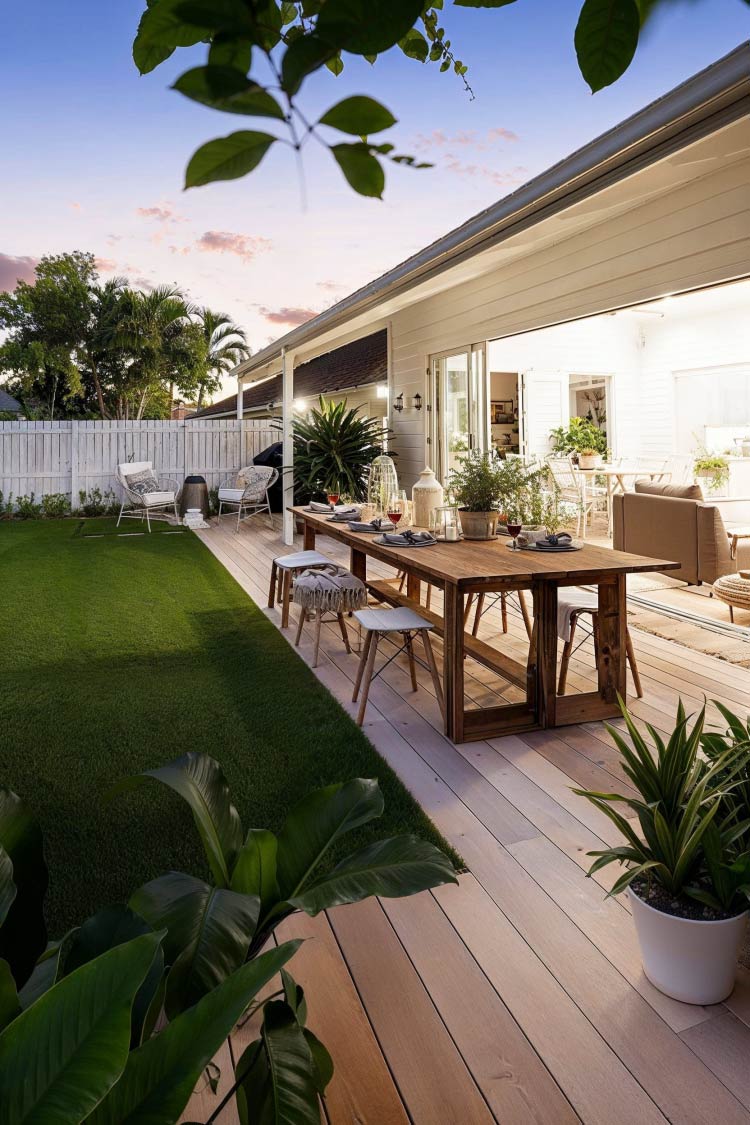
pixel 478 525
pixel 691 961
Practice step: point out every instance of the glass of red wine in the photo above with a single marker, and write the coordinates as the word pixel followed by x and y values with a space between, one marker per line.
pixel 514 529
pixel 394 516
pixel 333 498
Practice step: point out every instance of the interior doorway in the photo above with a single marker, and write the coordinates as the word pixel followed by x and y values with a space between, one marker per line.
pixel 458 405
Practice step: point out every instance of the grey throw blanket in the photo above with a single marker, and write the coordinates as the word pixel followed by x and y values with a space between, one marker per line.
pixel 329 588
pixel 409 539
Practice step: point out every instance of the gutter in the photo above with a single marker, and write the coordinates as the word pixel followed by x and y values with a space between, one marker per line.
pixel 699 106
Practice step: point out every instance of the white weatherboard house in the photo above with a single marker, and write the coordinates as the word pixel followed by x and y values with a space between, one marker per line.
pixel 622 273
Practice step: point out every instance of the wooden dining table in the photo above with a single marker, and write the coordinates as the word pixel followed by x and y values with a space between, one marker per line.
pixel 476 567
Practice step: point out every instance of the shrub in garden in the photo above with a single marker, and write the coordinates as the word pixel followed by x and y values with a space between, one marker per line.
pixel 55 505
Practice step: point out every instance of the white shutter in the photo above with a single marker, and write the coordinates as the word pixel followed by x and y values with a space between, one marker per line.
pixel 546 404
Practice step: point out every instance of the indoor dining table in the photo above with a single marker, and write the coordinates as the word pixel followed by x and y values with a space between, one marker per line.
pixel 467 567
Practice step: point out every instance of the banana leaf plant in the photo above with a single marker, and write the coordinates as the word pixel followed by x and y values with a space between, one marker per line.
pixel 687 827
pixel 77 1039
pixel 333 450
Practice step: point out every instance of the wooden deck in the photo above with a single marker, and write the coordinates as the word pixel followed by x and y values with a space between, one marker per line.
pixel 518 995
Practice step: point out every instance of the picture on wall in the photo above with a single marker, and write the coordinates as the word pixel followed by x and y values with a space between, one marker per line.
pixel 502 412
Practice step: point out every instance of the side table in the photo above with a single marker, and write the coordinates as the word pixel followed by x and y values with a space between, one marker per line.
pixel 194 495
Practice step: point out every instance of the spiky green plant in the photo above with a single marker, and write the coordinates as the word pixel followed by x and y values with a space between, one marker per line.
pixel 686 830
pixel 333 450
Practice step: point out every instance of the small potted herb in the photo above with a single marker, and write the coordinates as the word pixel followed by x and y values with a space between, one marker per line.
pixel 589 458
pixel 686 853
pixel 712 470
pixel 476 486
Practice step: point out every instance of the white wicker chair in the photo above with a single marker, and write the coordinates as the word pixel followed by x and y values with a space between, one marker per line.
pixel 247 492
pixel 151 496
pixel 569 485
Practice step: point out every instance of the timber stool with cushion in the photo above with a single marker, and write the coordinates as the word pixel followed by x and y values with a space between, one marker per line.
pixel 379 623
pixel 327 589
pixel 734 591
pixel 284 569
pixel 571 604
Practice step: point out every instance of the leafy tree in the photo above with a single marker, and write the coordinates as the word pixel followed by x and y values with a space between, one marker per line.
pixel 261 52
pixel 225 346
pixel 46 322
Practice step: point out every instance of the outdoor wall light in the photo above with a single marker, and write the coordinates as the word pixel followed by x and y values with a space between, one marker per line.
pixel 417 401
pixel 382 390
pixel 299 405
pixel 399 402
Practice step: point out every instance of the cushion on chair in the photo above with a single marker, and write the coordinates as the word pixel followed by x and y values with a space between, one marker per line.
pixel 231 495
pixel 676 491
pixel 153 499
pixel 142 482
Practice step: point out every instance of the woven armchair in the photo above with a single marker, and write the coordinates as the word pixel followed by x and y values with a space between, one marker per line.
pixel 149 495
pixel 247 492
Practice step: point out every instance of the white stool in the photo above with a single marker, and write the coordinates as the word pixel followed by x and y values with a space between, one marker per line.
pixel 317 592
pixel 579 602
pixel 378 623
pixel 283 570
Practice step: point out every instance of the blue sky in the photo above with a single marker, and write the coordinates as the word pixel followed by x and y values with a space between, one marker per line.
pixel 93 154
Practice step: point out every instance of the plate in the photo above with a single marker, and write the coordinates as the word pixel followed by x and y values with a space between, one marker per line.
pixel 548 550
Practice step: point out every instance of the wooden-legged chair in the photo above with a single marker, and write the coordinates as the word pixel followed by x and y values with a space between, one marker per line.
pixel 485 602
pixel 377 623
pixel 567 598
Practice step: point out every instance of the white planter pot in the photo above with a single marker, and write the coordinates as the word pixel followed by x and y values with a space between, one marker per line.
pixel 589 460
pixel 692 961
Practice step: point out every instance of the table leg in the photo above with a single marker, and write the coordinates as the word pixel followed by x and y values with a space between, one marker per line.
pixel 309 540
pixel 612 626
pixel 453 662
pixel 358 564
pixel 545 627
pixel 413 587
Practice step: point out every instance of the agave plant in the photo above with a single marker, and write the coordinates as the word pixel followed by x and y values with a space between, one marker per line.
pixel 333 450
pixel 688 833
pixel 77 1017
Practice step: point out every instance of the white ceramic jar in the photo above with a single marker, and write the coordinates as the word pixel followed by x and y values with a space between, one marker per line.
pixel 426 494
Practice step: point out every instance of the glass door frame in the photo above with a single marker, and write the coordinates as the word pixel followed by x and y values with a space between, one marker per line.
pixel 477 405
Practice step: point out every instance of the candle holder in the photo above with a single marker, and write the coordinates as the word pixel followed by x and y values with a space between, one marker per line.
pixel 446 525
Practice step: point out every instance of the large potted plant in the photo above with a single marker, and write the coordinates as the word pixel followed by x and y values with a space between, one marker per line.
pixel 581 438
pixel 333 450
pixel 686 854
pixel 476 485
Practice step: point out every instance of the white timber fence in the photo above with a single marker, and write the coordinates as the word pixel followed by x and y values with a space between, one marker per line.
pixel 74 457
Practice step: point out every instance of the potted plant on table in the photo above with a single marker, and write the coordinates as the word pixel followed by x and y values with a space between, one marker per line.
pixel 476 486
pixel 580 438
pixel 686 853
pixel 589 458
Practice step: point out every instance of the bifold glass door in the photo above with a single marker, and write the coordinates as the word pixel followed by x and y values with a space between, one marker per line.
pixel 457 394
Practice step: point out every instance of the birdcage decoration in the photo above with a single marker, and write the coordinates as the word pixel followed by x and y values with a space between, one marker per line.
pixel 382 484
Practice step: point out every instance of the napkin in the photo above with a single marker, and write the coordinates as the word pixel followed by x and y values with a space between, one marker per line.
pixel 409 539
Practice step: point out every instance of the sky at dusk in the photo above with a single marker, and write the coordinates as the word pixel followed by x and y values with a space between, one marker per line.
pixel 94 155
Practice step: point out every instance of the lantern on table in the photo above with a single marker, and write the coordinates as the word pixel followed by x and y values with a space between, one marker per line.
pixel 382 484
pixel 445 523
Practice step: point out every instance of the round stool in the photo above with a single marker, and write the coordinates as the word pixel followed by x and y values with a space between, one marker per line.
pixel 329 589
pixel 734 591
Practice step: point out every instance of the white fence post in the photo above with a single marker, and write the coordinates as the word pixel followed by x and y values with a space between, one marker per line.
pixel 74 482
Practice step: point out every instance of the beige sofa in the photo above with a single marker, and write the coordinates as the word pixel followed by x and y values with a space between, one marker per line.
pixel 674 522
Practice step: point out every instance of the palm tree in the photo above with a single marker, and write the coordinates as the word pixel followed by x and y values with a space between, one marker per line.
pixel 226 346
pixel 156 331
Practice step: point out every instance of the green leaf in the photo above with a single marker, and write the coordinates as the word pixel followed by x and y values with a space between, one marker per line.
pixel 606 39
pixel 7 886
pixel 335 65
pixel 45 972
pixel 482 3
pixel 358 115
pixel 162 28
pixel 208 932
pixel 227 158
pixel 10 1005
pixel 316 822
pixel 321 1058
pixel 283 1089
pixel 160 1075
pixel 228 90
pixel 403 865
pixel 198 778
pixel 303 56
pixel 362 170
pixel 23 935
pixel 61 1056
pixel 255 870
pixel 414 45
pixel 226 50
pixel 109 927
pixel 366 27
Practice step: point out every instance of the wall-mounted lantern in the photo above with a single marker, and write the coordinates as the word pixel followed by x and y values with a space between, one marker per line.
pixel 417 401
pixel 399 402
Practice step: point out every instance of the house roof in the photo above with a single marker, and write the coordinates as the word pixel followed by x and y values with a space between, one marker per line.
pixel 697 107
pixel 8 403
pixel 359 364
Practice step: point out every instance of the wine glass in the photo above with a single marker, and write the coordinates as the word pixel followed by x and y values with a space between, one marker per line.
pixel 333 498
pixel 514 529
pixel 394 511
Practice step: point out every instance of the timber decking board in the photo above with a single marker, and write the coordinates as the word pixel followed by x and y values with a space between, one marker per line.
pixel 565 974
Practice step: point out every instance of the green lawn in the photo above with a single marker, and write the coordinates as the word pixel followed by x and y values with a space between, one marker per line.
pixel 120 653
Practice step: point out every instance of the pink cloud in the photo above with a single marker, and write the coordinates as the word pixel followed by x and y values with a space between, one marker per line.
pixel 164 214
pixel 513 176
pixel 480 142
pixel 76 206
pixel 13 270
pixel 105 265
pixel 291 316
pixel 331 286
pixel 244 246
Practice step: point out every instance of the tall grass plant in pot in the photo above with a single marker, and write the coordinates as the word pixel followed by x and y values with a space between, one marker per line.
pixel 476 485
pixel 686 854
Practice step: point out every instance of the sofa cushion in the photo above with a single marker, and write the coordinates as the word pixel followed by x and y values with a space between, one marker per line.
pixel 153 499
pixel 676 491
